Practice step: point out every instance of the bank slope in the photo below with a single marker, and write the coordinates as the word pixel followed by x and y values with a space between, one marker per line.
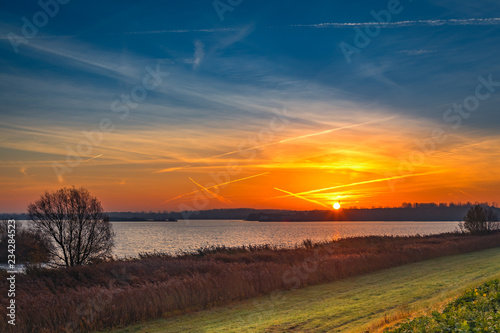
pixel 349 305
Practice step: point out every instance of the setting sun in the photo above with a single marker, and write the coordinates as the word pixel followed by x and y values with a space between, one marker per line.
pixel 336 205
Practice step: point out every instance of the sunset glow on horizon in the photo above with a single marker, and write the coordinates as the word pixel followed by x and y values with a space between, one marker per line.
pixel 356 167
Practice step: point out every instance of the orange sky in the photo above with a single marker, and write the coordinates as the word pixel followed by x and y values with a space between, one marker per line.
pixel 357 161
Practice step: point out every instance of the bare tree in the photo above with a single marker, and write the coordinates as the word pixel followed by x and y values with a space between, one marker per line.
pixel 480 220
pixel 76 223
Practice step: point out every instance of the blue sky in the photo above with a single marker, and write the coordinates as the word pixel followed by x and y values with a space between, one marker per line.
pixel 227 76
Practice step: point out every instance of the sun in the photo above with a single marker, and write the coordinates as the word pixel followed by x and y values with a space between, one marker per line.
pixel 336 205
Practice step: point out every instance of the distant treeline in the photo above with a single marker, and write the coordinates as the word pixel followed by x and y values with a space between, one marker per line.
pixel 213 214
pixel 407 212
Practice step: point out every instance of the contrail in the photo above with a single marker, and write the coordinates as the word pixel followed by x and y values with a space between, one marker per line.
pixel 171 169
pixel 90 159
pixel 335 129
pixel 61 179
pixel 282 141
pixel 459 190
pixel 150 32
pixel 301 197
pixel 218 185
pixel 215 195
pixel 432 23
pixel 359 183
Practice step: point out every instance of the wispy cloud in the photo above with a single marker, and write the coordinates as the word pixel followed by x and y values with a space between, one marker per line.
pixel 79 55
pixel 199 54
pixel 416 52
pixel 279 142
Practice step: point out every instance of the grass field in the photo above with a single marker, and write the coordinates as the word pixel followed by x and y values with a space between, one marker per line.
pixel 349 305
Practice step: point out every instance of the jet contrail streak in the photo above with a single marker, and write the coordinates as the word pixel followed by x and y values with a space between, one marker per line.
pixel 459 190
pixel 359 183
pixel 335 129
pixel 301 197
pixel 171 169
pixel 90 159
pixel 213 194
pixel 432 23
pixel 218 185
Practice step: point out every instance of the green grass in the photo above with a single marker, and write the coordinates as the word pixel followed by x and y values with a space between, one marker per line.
pixel 477 310
pixel 349 305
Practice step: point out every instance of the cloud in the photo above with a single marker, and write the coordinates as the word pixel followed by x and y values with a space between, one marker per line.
pixel 378 73
pixel 199 54
pixel 85 57
pixel 416 52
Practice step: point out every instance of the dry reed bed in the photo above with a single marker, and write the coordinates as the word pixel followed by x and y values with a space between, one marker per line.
pixel 118 293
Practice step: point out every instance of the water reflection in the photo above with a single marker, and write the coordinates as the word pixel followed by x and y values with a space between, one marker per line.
pixel 135 237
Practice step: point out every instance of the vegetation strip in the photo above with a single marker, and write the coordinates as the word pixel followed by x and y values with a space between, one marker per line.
pixel 119 293
pixel 477 310
pixel 350 305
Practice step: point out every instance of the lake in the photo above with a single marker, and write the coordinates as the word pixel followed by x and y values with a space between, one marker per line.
pixel 171 237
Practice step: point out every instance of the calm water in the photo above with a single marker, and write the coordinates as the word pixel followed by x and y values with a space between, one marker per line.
pixel 135 237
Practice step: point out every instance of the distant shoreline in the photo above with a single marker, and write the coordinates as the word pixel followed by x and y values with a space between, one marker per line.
pixel 285 221
pixel 408 212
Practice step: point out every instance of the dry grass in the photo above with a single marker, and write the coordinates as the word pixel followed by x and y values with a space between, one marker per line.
pixel 118 293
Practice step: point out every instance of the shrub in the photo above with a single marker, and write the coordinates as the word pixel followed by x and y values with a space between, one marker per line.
pixel 480 220
pixel 31 246
pixel 477 310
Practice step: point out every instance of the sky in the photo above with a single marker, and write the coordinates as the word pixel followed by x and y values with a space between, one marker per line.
pixel 188 105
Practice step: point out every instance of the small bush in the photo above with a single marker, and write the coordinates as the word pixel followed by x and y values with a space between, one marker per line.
pixel 480 220
pixel 31 246
pixel 477 310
